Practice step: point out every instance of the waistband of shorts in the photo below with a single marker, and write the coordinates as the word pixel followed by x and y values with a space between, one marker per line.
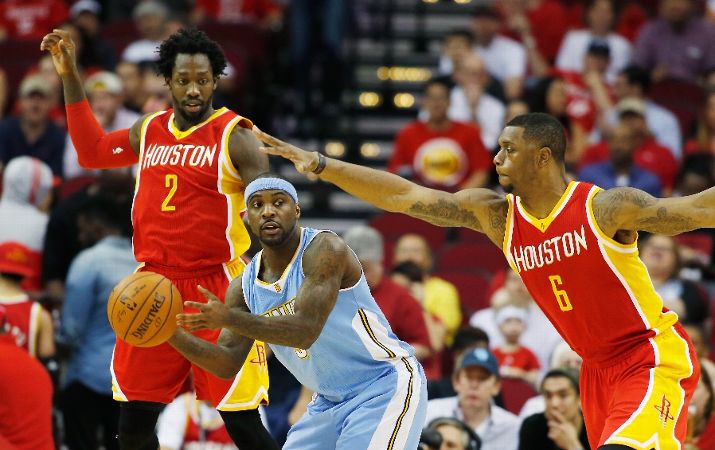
pixel 623 356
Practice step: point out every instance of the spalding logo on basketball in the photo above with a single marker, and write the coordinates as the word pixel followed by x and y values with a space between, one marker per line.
pixel 142 309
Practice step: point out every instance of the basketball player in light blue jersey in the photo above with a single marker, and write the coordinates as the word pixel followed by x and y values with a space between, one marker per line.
pixel 306 296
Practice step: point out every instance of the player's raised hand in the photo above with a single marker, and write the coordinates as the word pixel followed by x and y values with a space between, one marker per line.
pixel 304 161
pixel 212 315
pixel 62 48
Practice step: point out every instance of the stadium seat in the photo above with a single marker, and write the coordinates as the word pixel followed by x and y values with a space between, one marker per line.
pixel 682 98
pixel 472 289
pixel 483 257
pixel 698 241
pixel 467 235
pixel 514 393
pixel 392 226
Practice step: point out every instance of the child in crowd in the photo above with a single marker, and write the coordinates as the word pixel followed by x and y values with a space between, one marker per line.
pixel 515 360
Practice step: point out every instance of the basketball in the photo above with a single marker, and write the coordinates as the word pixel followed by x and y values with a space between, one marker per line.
pixel 142 309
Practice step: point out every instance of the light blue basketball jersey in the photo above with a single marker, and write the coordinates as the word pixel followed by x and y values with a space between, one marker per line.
pixel 356 345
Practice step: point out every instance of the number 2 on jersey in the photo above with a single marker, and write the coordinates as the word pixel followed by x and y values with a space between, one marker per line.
pixel 172 182
pixel 561 296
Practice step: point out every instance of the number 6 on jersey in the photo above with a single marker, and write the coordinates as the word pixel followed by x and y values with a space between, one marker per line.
pixel 172 182
pixel 561 296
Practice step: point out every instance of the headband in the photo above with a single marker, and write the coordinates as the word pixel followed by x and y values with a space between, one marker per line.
pixel 269 184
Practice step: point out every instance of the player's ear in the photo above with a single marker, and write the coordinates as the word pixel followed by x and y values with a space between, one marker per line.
pixel 544 155
pixel 297 211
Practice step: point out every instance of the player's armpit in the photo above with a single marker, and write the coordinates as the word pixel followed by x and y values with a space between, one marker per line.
pixel 632 209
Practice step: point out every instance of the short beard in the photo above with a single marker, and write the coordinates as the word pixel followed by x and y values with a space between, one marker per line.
pixel 279 241
pixel 193 119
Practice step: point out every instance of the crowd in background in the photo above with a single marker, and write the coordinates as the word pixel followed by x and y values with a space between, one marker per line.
pixel 632 82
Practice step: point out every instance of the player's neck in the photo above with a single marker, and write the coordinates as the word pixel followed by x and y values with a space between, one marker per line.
pixel 542 196
pixel 184 124
pixel 276 259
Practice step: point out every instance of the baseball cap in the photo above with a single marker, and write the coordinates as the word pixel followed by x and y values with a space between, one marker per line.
pixel 366 242
pixel 16 259
pixel 85 6
pixel 34 84
pixel 631 105
pixel 480 357
pixel 510 312
pixel 104 81
pixel 599 47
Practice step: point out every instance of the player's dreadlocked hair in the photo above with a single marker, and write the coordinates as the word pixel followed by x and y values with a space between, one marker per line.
pixel 190 41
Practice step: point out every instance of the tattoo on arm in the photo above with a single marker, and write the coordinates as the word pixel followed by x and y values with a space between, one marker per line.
pixel 445 213
pixel 608 205
pixel 497 217
pixel 665 222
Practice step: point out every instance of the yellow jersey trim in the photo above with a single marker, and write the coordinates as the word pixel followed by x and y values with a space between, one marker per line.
pixel 178 134
pixel 279 281
pixel 543 224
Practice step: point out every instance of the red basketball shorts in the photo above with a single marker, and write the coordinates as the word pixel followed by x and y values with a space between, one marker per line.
pixel 641 401
pixel 156 374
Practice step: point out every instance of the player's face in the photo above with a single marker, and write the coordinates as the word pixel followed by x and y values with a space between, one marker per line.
pixel 513 159
pixel 475 386
pixel 560 396
pixel 272 216
pixel 192 85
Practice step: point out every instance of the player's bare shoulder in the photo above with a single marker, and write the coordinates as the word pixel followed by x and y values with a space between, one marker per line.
pixel 612 208
pixel 243 147
pixel 135 133
pixel 479 209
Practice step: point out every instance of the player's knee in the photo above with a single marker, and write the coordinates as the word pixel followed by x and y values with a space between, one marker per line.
pixel 137 422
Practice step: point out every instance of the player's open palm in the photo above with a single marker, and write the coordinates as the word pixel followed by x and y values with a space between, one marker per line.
pixel 62 48
pixel 305 162
pixel 212 315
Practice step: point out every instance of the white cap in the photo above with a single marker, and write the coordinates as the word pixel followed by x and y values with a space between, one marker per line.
pixel 104 81
pixel 510 312
pixel 366 242
pixel 85 6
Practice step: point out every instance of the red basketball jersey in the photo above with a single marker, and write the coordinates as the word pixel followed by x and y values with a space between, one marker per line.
pixel 189 195
pixel 23 315
pixel 594 290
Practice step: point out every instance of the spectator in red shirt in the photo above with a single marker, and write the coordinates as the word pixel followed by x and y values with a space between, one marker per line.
pixel 401 309
pixel 648 155
pixel 515 360
pixel 545 21
pixel 26 393
pixel 439 152
pixel 266 13
pixel 30 19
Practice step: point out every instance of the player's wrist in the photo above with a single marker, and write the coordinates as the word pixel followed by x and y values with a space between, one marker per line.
pixel 320 163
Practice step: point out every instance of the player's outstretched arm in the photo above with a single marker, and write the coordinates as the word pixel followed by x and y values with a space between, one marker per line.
pixel 632 209
pixel 243 148
pixel 226 357
pixel 95 149
pixel 479 209
pixel 324 264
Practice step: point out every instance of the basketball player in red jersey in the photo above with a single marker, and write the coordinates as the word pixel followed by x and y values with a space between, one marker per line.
pixel 194 162
pixel 574 245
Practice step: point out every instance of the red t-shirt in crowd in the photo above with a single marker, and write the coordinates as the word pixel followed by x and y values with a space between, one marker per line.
pixel 549 22
pixel 650 156
pixel 581 108
pixel 31 19
pixel 523 358
pixel 442 159
pixel 25 399
pixel 236 11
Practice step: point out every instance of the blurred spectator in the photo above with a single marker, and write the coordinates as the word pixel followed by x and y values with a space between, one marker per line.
pixel 677 45
pixel 151 18
pixel 86 398
pixel 305 33
pixel 469 103
pixel 704 140
pixel 132 85
pixel 620 170
pixel 540 336
pixel 600 18
pixel 456 45
pixel 29 324
pixel 649 154
pixel 187 423
pixel 505 58
pixel 441 297
pixel 440 152
pixel 476 380
pixel 635 82
pixel 550 95
pixel 30 19
pixel 62 238
pixel 97 51
pixel 661 257
pixel 26 198
pixel 31 132
pixel 526 18
pixel 696 333
pixel 26 393
pixel 701 428
pixel 402 311
pixel 515 360
pixel 589 94
pixel 104 91
pixel 465 339
pixel 695 175
pixel 265 13
pixel 455 434
pixel 156 96
pixel 561 425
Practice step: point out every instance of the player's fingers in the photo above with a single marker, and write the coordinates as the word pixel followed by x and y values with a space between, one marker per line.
pixel 206 293
pixel 63 34
pixel 267 138
pixel 196 305
pixel 278 151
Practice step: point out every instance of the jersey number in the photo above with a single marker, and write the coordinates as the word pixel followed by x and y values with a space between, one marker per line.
pixel 561 296
pixel 172 182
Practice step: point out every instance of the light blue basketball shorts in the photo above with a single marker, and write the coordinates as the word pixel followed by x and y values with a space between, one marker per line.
pixel 388 415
